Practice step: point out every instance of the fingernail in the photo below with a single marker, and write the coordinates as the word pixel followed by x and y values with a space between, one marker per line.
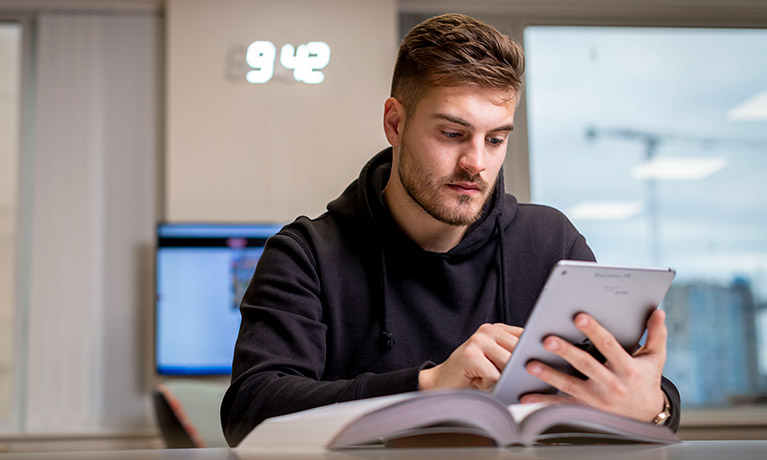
pixel 582 321
pixel 535 369
pixel 550 344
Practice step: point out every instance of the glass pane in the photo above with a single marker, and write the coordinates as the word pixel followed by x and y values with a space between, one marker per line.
pixel 10 57
pixel 654 143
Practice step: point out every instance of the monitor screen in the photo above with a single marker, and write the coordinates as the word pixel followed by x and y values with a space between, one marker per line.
pixel 202 273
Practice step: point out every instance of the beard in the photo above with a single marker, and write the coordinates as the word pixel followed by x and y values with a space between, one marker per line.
pixel 427 192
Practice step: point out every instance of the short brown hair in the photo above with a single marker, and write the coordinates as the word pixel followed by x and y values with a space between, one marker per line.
pixel 455 50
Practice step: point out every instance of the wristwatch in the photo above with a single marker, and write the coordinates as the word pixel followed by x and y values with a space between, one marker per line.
pixel 661 418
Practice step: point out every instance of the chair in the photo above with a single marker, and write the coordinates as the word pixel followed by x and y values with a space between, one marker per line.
pixel 188 413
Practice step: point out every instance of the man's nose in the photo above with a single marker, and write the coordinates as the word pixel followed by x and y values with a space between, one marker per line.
pixel 473 158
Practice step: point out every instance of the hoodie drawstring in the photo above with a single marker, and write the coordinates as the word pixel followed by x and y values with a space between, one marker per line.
pixel 504 304
pixel 386 338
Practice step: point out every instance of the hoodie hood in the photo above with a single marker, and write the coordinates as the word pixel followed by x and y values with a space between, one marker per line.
pixel 361 205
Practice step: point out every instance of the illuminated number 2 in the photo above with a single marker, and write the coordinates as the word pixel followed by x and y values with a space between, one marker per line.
pixel 260 57
pixel 306 61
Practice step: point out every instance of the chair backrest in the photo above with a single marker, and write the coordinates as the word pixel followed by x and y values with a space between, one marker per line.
pixel 177 430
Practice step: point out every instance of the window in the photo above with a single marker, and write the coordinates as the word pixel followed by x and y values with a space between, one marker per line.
pixel 654 143
pixel 10 57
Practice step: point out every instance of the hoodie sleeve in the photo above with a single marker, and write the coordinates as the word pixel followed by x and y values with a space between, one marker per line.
pixel 675 401
pixel 579 250
pixel 279 356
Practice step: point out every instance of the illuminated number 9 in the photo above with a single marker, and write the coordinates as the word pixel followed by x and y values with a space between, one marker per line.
pixel 260 57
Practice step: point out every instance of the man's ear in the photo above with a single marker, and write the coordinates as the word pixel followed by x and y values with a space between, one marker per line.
pixel 394 121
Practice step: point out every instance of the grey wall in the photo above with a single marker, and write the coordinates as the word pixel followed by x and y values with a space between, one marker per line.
pixel 269 152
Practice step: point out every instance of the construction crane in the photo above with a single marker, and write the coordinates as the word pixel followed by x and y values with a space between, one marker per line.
pixel 651 142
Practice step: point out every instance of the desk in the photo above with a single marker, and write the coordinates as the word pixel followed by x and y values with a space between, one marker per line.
pixel 692 450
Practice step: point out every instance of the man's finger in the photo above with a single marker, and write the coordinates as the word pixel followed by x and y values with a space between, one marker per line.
pixel 513 330
pixel 508 342
pixel 503 335
pixel 657 334
pixel 604 342
pixel 484 374
pixel 580 360
pixel 483 351
pixel 567 384
pixel 499 355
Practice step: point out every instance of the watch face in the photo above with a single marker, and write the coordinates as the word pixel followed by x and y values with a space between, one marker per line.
pixel 660 418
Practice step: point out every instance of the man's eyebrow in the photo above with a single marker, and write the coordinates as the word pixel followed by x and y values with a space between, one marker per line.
pixel 462 122
pixel 452 119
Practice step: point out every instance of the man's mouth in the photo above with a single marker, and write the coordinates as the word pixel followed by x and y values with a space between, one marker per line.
pixel 466 187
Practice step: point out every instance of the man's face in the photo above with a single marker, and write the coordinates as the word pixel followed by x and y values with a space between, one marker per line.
pixel 452 148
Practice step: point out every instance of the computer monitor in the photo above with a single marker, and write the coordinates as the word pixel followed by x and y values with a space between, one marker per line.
pixel 202 272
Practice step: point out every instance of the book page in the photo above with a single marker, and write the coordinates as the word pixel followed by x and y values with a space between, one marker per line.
pixel 314 428
pixel 440 417
pixel 520 411
pixel 568 422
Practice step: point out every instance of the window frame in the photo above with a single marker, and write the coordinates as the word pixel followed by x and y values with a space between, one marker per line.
pixel 15 421
pixel 514 16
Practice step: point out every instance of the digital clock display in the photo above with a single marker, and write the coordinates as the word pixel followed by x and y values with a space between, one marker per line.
pixel 305 61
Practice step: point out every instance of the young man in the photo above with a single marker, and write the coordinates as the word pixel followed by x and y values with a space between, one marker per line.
pixel 424 259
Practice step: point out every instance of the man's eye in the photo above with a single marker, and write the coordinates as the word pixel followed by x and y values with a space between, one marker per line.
pixel 495 141
pixel 451 135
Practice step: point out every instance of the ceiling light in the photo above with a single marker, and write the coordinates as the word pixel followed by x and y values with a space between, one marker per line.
pixel 678 168
pixel 752 109
pixel 605 210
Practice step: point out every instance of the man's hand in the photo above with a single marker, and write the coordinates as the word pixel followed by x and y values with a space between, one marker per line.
pixel 625 384
pixel 477 363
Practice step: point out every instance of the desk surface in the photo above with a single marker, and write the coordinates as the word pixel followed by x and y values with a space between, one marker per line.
pixel 699 450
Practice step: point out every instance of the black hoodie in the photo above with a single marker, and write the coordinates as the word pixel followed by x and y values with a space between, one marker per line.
pixel 345 306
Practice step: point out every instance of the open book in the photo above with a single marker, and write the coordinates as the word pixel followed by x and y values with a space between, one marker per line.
pixel 447 418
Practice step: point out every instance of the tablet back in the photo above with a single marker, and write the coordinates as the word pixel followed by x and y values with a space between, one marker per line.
pixel 620 298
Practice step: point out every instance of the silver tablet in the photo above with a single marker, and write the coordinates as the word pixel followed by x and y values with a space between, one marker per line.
pixel 620 298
